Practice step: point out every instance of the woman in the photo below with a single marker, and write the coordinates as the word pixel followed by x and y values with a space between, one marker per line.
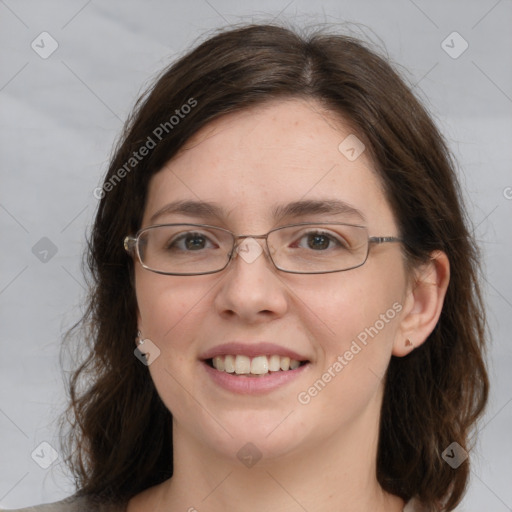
pixel 282 240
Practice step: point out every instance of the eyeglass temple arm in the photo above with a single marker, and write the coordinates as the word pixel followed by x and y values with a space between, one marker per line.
pixel 383 239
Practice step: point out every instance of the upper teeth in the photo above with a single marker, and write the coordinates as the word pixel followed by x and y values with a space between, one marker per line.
pixel 259 365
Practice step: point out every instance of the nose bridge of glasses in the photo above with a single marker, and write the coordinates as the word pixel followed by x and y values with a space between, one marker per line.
pixel 239 239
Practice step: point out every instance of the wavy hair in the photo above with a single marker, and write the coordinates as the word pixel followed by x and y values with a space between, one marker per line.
pixel 432 397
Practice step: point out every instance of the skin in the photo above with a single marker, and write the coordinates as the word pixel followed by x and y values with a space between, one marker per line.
pixel 320 456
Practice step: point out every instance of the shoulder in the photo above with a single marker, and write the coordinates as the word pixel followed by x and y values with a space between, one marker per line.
pixel 71 504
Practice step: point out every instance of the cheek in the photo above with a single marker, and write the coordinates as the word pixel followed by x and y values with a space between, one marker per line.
pixel 165 303
pixel 353 318
pixel 169 315
pixel 355 330
pixel 340 307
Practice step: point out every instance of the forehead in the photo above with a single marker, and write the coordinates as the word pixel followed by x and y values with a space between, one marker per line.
pixel 284 151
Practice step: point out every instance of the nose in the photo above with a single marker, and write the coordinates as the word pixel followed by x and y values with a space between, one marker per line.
pixel 251 289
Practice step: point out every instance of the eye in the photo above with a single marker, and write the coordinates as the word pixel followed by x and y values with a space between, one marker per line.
pixel 191 241
pixel 321 241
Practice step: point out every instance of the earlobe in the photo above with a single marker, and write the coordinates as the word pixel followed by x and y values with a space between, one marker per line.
pixel 423 303
pixel 139 340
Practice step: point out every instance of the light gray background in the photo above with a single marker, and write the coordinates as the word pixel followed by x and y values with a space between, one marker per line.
pixel 61 115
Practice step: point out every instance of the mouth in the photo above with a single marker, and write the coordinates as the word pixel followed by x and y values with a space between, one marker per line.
pixel 253 368
pixel 240 365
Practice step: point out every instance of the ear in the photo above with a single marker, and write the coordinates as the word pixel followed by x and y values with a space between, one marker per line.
pixel 423 303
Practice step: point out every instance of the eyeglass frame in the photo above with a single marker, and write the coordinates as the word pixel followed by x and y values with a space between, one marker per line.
pixel 131 242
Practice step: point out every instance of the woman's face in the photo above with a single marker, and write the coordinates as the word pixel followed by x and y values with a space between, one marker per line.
pixel 342 326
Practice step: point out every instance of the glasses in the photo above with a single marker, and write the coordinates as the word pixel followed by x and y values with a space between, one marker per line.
pixel 308 248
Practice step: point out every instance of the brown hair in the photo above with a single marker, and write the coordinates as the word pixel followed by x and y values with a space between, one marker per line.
pixel 432 397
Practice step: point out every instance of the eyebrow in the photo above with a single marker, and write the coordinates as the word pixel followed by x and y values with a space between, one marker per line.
pixel 295 209
pixel 316 207
pixel 202 209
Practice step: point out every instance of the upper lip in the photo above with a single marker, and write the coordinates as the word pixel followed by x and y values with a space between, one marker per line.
pixel 251 350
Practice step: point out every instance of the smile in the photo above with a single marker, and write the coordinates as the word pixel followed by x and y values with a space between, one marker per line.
pixel 255 366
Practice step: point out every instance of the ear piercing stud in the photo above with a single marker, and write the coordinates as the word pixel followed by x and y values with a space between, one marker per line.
pixel 408 343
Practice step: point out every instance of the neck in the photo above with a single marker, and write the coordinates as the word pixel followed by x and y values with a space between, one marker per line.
pixel 337 473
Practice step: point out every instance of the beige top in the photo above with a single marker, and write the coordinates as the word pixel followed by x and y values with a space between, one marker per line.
pixel 73 504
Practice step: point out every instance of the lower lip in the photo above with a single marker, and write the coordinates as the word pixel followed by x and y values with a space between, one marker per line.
pixel 253 385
